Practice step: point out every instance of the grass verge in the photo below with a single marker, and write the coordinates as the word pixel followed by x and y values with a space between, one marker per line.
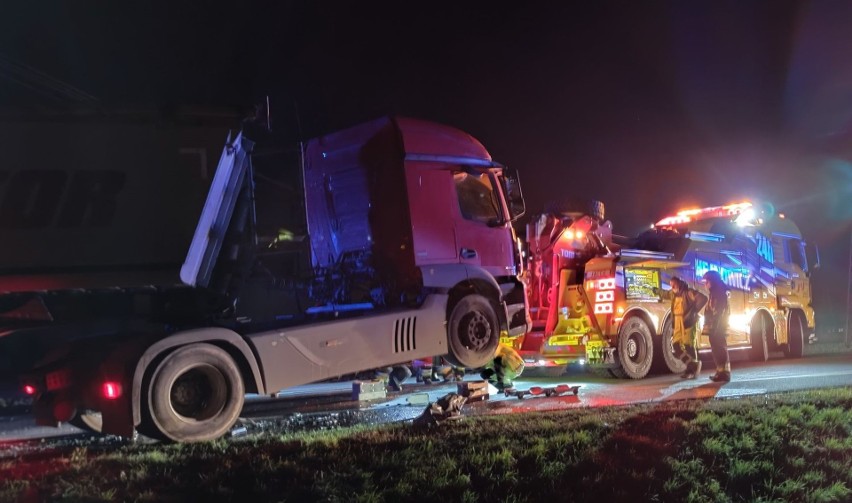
pixel 786 447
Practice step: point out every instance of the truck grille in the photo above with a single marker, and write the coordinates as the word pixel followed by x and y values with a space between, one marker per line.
pixel 404 338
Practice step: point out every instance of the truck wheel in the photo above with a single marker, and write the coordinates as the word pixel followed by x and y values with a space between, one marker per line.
pixel 795 346
pixel 758 338
pixel 195 394
pixel 92 422
pixel 617 372
pixel 473 332
pixel 635 348
pixel 667 359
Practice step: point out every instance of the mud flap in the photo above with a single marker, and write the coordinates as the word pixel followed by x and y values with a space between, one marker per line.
pixel 118 417
pixel 43 412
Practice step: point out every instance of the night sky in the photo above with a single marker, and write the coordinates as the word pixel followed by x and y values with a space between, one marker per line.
pixel 647 106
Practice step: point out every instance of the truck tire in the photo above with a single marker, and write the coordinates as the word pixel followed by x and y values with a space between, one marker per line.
pixel 795 346
pixel 195 394
pixel 635 349
pixel 617 372
pixel 473 332
pixel 92 422
pixel 759 338
pixel 666 361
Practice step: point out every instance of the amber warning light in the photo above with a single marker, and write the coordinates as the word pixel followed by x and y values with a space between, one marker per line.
pixel 111 390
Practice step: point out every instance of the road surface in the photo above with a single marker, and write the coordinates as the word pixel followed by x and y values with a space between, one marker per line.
pixel 328 405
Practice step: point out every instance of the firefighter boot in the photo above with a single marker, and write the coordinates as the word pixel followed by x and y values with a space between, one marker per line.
pixel 458 373
pixel 692 370
pixel 445 372
pixel 722 375
pixel 428 375
pixel 397 376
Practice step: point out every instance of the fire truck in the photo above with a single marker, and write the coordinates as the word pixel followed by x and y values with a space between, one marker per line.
pixel 597 299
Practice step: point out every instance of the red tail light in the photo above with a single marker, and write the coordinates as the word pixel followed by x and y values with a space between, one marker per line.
pixel 111 390
pixel 29 389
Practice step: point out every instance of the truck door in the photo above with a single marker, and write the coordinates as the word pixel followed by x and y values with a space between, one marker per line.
pixel 791 268
pixel 432 202
pixel 482 231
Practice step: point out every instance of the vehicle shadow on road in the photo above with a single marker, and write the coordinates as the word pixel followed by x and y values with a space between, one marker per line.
pixel 633 458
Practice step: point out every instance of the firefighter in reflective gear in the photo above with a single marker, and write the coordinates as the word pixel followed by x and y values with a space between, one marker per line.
pixel 716 324
pixel 506 366
pixel 686 303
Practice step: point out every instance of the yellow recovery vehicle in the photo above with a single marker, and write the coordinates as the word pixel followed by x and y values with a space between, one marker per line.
pixel 599 303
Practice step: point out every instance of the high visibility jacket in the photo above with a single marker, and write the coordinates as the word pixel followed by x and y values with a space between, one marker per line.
pixel 511 359
pixel 687 303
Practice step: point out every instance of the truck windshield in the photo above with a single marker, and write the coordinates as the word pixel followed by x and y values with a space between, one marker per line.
pixel 478 199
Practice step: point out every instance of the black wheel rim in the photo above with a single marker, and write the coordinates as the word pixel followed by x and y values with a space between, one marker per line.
pixel 476 330
pixel 199 393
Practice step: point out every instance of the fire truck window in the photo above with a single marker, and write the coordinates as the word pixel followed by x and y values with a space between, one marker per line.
pixel 477 200
pixel 779 250
pixel 795 253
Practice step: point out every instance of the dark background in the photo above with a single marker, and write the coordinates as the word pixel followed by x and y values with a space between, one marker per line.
pixel 648 106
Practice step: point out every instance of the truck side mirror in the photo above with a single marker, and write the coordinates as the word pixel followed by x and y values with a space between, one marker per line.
pixel 514 195
pixel 813 262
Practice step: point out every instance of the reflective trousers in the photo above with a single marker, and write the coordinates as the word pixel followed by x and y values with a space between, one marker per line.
pixel 719 348
pixel 684 341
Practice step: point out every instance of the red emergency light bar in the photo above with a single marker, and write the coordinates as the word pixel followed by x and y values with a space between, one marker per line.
pixel 691 215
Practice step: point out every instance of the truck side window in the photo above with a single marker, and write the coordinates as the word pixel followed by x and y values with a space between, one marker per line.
pixel 796 253
pixel 477 199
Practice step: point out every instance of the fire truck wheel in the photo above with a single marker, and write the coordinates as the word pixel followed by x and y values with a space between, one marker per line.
pixel 473 332
pixel 617 372
pixel 758 338
pixel 635 348
pixel 667 361
pixel 195 394
pixel 92 422
pixel 795 346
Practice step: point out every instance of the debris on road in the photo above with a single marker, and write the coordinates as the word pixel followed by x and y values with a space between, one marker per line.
pixel 369 390
pixel 560 389
pixel 418 399
pixel 447 407
pixel 474 391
